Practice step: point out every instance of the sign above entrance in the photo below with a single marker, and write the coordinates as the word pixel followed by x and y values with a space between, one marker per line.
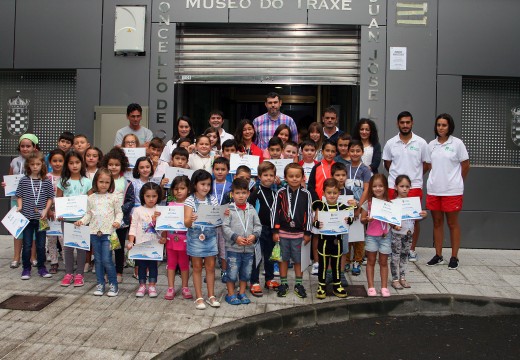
pixel 344 5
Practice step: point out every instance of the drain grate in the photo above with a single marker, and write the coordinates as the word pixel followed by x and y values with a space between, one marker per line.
pixel 27 302
pixel 352 291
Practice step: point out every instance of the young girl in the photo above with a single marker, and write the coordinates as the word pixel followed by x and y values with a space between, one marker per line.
pixel 245 137
pixel 73 182
pixel 117 163
pixel 176 243
pixel 56 159
pixel 34 198
pixel 316 135
pixel 201 240
pixel 142 230
pixel 283 132
pixel 103 216
pixel 186 143
pixel 93 156
pixel 201 159
pixel 377 236
pixel 142 173
pixel 401 238
pixel 130 141
pixel 214 140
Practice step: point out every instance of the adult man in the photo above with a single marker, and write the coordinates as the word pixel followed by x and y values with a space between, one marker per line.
pixel 134 114
pixel 329 118
pixel 407 153
pixel 266 124
pixel 216 119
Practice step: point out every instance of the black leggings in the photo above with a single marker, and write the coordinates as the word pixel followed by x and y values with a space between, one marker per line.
pixel 120 253
pixel 329 249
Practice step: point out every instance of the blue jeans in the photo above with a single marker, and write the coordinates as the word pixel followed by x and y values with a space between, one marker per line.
pixel 239 266
pixel 103 256
pixel 32 230
pixel 151 266
pixel 267 245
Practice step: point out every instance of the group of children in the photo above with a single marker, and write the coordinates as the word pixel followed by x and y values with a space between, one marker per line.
pixel 263 212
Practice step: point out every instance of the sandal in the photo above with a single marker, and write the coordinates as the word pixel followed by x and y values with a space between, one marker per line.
pixel 244 299
pixel 385 292
pixel 396 285
pixel 372 292
pixel 405 284
pixel 200 305
pixel 233 300
pixel 212 301
pixel 256 290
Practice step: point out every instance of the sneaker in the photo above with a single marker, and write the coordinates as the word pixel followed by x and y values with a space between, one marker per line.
pixel 170 294
pixel 26 274
pixel 113 290
pixel 454 263
pixel 347 268
pixel 321 293
pixel 271 284
pixel 315 269
pixel 100 290
pixel 364 263
pixel 186 293
pixel 299 290
pixel 44 273
pixel 436 260
pixel 152 291
pixel 356 269
pixel 276 269
pixel 67 280
pixel 141 291
pixel 328 277
pixel 343 279
pixel 340 292
pixel 256 290
pixel 78 280
pixel 412 256
pixel 283 289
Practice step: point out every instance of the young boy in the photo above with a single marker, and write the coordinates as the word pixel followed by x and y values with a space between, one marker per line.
pixel 154 151
pixel 308 148
pixel 292 226
pixel 229 147
pixel 243 172
pixel 274 148
pixel 64 143
pixel 263 201
pixel 180 158
pixel 242 228
pixel 290 150
pixel 81 144
pixel 342 145
pixel 330 247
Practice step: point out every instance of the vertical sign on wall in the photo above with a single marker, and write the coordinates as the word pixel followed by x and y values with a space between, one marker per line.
pixel 162 64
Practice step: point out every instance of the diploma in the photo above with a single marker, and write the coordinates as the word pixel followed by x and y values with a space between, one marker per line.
pixel 209 215
pixel 15 222
pixel 356 231
pixel 171 218
pixel 305 255
pixel 411 207
pixel 76 236
pixel 333 222
pixel 251 161
pixel 133 154
pixel 55 229
pixel 343 199
pixel 150 250
pixel 71 207
pixel 172 172
pixel 280 165
pixel 11 184
pixel 386 211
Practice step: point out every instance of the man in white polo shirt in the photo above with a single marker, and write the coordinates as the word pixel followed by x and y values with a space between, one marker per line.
pixel 407 153
pixel 216 119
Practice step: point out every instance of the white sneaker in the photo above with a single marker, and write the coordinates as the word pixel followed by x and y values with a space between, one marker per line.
pixel 315 268
pixel 100 290
pixel 412 256
pixel 113 290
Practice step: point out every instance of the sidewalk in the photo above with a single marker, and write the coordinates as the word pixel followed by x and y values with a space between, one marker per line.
pixel 79 325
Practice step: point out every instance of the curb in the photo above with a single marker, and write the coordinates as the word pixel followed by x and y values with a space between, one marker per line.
pixel 212 340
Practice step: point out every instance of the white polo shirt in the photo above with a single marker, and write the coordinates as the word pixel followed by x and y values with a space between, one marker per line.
pixel 406 159
pixel 446 174
pixel 225 136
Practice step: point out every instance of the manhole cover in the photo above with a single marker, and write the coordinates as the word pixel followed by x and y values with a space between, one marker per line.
pixel 27 302
pixel 352 291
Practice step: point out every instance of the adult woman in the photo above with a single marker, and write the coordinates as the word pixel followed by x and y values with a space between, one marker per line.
pixel 183 129
pixel 449 167
pixel 365 130
pixel 245 136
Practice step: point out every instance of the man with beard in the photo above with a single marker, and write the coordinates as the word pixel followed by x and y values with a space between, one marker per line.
pixel 330 124
pixel 406 153
pixel 266 124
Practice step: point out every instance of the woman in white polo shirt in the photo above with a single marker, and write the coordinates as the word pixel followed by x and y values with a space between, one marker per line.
pixel 449 167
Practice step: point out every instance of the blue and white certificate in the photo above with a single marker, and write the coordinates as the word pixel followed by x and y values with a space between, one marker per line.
pixel 55 228
pixel 171 218
pixel 209 215
pixel 150 250
pixel 386 211
pixel 11 184
pixel 411 207
pixel 77 237
pixel 280 165
pixel 15 222
pixel 172 172
pixel 333 222
pixel 356 231
pixel 251 161
pixel 71 207
pixel 133 154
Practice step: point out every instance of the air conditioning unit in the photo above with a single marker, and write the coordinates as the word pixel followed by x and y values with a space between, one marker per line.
pixel 129 30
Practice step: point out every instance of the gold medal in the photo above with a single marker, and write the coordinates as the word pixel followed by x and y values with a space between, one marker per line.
pixel 202 237
pixel 176 238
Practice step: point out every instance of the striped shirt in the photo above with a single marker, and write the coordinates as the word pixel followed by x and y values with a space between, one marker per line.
pixel 190 201
pixel 34 194
pixel 265 128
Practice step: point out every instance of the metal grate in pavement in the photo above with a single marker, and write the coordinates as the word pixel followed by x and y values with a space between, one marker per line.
pixel 27 302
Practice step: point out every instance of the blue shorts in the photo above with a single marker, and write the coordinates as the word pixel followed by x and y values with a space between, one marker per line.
pixel 379 244
pixel 201 248
pixel 239 265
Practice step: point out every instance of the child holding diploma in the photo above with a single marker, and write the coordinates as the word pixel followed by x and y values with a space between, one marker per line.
pixel 34 198
pixel 103 216
pixel 201 240
pixel 377 236
pixel 56 159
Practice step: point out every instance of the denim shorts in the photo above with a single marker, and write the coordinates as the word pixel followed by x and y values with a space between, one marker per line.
pixel 202 248
pixel 239 266
pixel 291 249
pixel 379 244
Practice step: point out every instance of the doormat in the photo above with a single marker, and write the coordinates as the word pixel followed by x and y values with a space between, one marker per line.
pixel 353 291
pixel 27 302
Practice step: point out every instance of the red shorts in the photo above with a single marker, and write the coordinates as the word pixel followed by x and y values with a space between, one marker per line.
pixel 392 194
pixel 444 203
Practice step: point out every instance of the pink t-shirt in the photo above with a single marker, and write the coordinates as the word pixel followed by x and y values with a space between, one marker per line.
pixel 375 227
